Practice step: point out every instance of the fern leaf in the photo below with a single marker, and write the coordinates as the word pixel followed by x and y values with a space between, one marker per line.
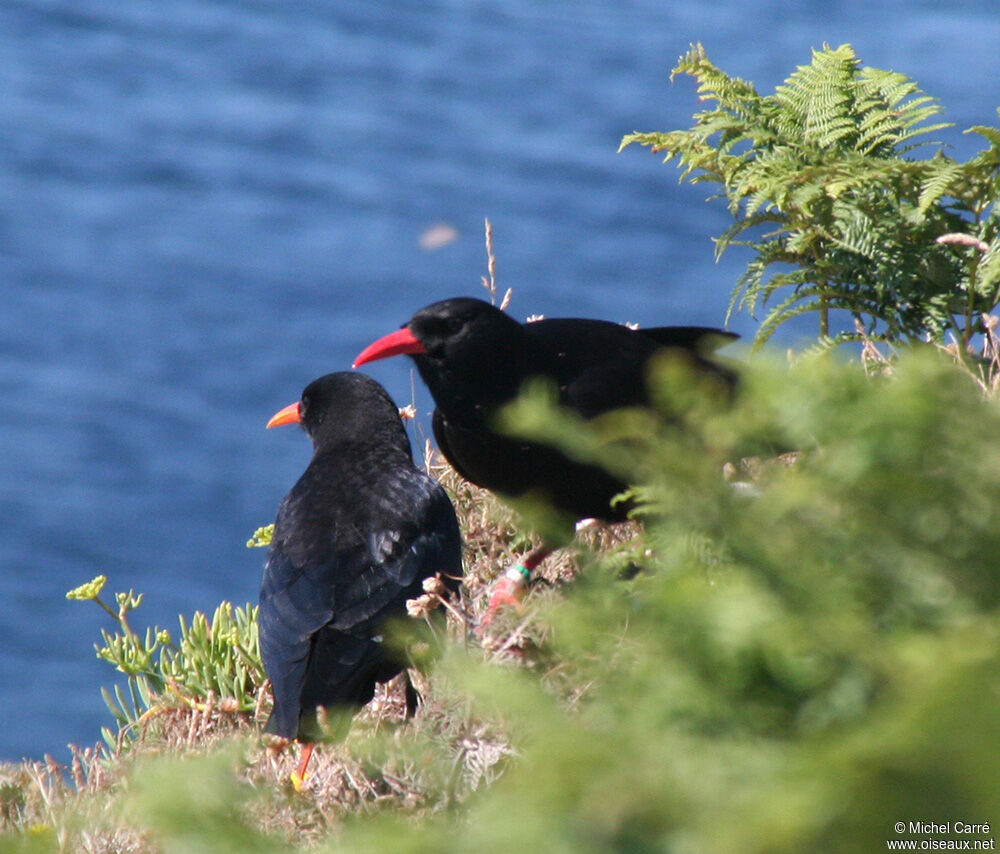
pixel 991 135
pixel 941 182
pixel 824 159
pixel 792 306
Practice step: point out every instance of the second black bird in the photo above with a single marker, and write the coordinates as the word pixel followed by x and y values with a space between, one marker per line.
pixel 353 540
pixel 474 358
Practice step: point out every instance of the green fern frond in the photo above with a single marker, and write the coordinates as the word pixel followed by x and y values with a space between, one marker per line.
pixel 990 134
pixel 713 83
pixel 823 345
pixel 793 306
pixel 826 161
pixel 741 226
pixel 654 141
pixel 940 182
pixel 754 287
pixel 856 231
pixel 815 98
pixel 910 133
pixel 988 271
pixel 803 240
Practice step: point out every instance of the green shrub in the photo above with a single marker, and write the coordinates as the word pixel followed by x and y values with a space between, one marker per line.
pixel 792 666
pixel 839 216
pixel 795 669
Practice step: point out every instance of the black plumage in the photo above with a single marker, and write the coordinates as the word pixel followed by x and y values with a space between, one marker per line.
pixel 474 358
pixel 353 540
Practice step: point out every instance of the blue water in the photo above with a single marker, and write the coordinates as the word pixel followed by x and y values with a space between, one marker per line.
pixel 205 205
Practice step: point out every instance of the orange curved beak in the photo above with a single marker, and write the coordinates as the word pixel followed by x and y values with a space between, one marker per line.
pixel 393 344
pixel 289 415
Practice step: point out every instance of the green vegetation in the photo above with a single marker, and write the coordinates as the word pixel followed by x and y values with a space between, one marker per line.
pixel 790 670
pixel 820 183
pixel 215 660
pixel 787 653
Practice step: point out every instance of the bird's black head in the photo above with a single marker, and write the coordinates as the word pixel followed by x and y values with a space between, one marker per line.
pixel 462 324
pixel 346 407
pixel 463 347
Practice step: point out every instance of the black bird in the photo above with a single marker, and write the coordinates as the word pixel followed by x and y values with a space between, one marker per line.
pixel 353 540
pixel 474 358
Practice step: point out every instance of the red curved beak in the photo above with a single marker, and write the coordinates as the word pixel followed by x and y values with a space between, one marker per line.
pixel 289 415
pixel 400 341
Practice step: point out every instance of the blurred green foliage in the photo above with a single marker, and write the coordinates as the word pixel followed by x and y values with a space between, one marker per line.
pixel 802 665
pixel 794 666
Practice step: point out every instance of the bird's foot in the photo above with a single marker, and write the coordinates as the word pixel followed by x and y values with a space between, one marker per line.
pixel 507 592
pixel 510 589
pixel 298 777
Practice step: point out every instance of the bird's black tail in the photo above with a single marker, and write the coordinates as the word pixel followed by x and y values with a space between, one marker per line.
pixel 341 675
pixel 700 339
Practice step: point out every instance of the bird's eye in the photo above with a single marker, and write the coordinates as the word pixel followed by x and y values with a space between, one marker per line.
pixel 453 325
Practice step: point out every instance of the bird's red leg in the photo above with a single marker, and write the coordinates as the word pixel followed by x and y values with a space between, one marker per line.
pixel 509 590
pixel 299 777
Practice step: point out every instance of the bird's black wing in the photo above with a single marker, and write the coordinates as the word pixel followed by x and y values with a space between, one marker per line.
pixel 287 621
pixel 348 655
pixel 699 339
pixel 599 366
pixel 295 603
pixel 327 588
pixel 412 534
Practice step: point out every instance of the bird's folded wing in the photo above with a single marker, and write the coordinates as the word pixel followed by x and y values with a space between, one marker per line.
pixel 400 557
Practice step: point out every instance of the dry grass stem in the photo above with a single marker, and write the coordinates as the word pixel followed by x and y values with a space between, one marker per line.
pixel 490 281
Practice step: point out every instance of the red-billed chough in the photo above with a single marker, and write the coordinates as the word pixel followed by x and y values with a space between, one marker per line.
pixel 474 358
pixel 353 541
